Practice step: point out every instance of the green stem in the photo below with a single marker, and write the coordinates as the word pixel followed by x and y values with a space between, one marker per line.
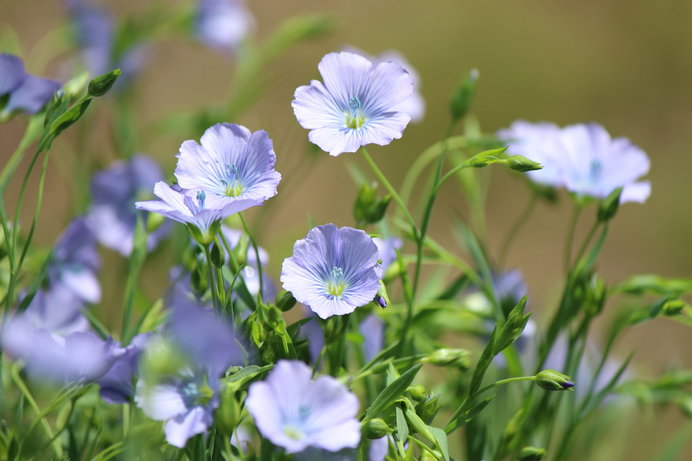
pixel 506 381
pixel 571 228
pixel 257 257
pixel 383 179
pixel 588 239
pixel 212 283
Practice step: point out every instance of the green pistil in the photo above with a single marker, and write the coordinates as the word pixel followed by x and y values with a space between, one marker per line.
pixel 336 284
pixel 293 433
pixel 204 394
pixel 233 186
pixel 355 117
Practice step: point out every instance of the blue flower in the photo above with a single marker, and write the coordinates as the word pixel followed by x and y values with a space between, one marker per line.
pixel 333 270
pixel 117 384
pixel 76 262
pixel 94 31
pixel 24 92
pixel 231 164
pixel 194 207
pixel 112 216
pixel 187 397
pixel 357 104
pixel 372 329
pixel 223 24
pixel 582 158
pixel 387 248
pixel 414 105
pixel 57 309
pixel 295 412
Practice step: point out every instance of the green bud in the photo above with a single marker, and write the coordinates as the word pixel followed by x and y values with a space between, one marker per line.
pixel 199 280
pixel 382 298
pixel 673 307
pixel 369 209
pixel 521 163
pixel 241 250
pixel 595 296
pixel 228 414
pixel 428 408
pixel 552 380
pixel 154 221
pixel 450 357
pixel 216 255
pixel 285 301
pixel 417 392
pixel 609 205
pixel 461 101
pixel 531 454
pixel 103 83
pixel 375 428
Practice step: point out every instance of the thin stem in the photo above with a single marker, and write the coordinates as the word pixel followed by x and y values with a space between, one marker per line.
pixel 257 257
pixel 588 239
pixel 571 228
pixel 383 179
pixel 506 381
pixel 212 284
pixel 518 225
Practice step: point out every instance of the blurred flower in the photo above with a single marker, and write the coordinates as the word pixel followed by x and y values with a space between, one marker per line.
pixel 333 270
pixel 112 216
pixel 76 358
pixel 358 104
pixel 414 105
pixel 509 288
pixel 223 24
pixel 23 92
pixel 295 412
pixel 582 158
pixel 187 396
pixel 387 248
pixel 117 385
pixel 57 309
pixel 372 329
pixel 94 31
pixel 193 206
pixel 231 164
pixel 76 262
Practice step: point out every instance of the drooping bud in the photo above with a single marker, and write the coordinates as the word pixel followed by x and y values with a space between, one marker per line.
pixel 450 357
pixel 609 205
pixel 552 380
pixel 369 209
pixel 462 99
pixel 285 301
pixel 382 298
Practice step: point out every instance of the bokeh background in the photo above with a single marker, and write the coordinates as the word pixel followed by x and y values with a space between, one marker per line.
pixel 626 65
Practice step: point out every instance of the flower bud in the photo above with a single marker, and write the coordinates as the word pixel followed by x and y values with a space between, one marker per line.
pixel 216 255
pixel 285 301
pixel 103 83
pixel 382 298
pixel 154 221
pixel 375 428
pixel 450 357
pixel 523 164
pixel 673 307
pixel 461 101
pixel 531 454
pixel 417 392
pixel 609 205
pixel 552 380
pixel 199 281
pixel 428 408
pixel 369 209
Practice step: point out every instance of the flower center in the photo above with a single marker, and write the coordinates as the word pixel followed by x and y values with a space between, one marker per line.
pixel 355 118
pixel 196 394
pixel 233 186
pixel 336 283
pixel 292 432
pixel 595 170
pixel 201 196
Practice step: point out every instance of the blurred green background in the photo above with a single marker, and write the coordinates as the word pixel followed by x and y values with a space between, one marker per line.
pixel 626 65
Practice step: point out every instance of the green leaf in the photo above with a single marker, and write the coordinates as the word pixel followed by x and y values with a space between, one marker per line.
pixel 69 117
pixel 651 283
pixel 392 392
pixel 483 363
pixel 239 380
pixel 466 413
pixel 401 426
pixel 441 441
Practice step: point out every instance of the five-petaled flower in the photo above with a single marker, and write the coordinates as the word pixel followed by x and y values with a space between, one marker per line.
pixel 295 412
pixel 333 270
pixel 582 158
pixel 358 103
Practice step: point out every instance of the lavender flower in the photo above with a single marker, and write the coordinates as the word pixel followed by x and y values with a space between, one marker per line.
pixel 223 24
pixel 112 216
pixel 194 207
pixel 231 164
pixel 387 248
pixel 187 397
pixel 333 270
pixel 78 357
pixel 94 31
pixel 76 262
pixel 117 385
pixel 57 309
pixel 372 329
pixel 414 105
pixel 295 412
pixel 24 92
pixel 582 158
pixel 358 104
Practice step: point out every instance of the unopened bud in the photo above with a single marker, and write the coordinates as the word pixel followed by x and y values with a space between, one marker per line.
pixel 375 428
pixel 531 454
pixel 523 164
pixel 216 255
pixel 462 99
pixel 369 209
pixel 285 301
pixel 609 205
pixel 450 357
pixel 154 221
pixel 552 380
pixel 417 392
pixel 673 307
pixel 382 298
pixel 103 83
